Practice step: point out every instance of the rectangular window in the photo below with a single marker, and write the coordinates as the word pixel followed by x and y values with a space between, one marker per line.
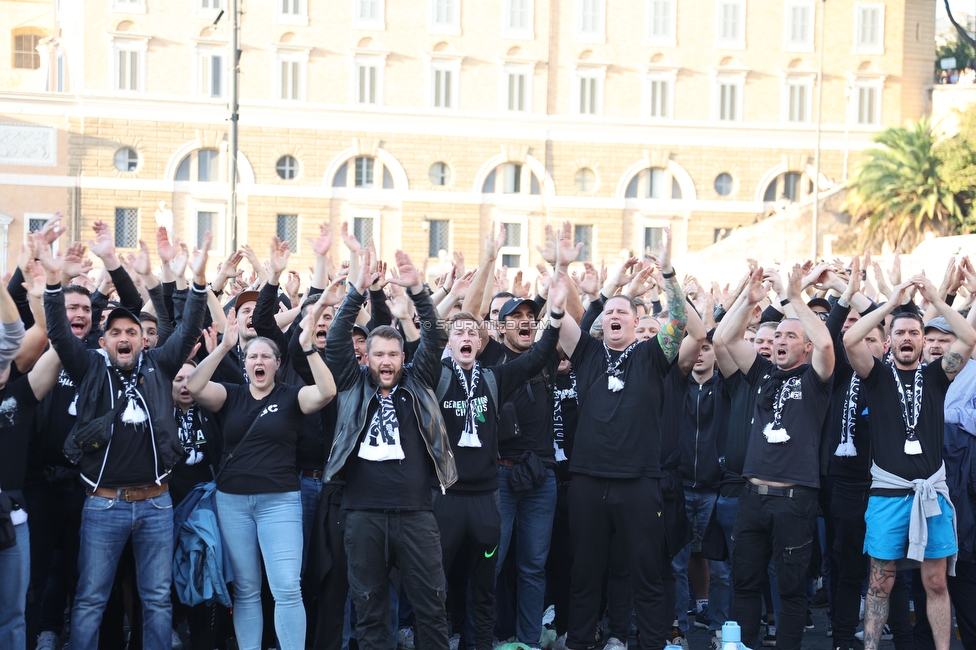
pixel 363 229
pixel 589 16
pixel 211 4
pixel 129 64
pixel 291 80
pixel 288 230
pixel 291 7
pixel 728 102
pixel 584 235
pixel 799 26
pixel 516 91
pixel 653 237
pixel 869 28
pixel 868 105
pixel 730 30
pixel 442 88
pixel 518 17
pixel 126 227
pixel 513 185
pixel 211 75
pixel 444 12
pixel 60 74
pixel 513 232
pixel 588 94
pixel 208 170
pixel 205 222
pixel 661 22
pixel 26 56
pixel 659 98
pixel 364 172
pixel 365 83
pixel 439 239
pixel 445 17
pixel 367 10
pixel 798 102
pixel 511 261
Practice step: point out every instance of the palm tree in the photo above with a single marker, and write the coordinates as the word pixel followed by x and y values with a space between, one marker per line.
pixel 897 190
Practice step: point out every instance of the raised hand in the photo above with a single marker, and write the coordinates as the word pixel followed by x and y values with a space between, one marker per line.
pixel 279 253
pixel 198 263
pixel 350 240
pixel 618 277
pixel 590 282
pixel 52 229
pixel 293 284
pixel 230 330
pixel 925 288
pixel 35 284
pixel 458 263
pixel 323 243
pixel 520 289
pixel 167 250
pixel 494 242
pixel 461 285
pixel 140 262
pixel 73 262
pixel 409 276
pixel 178 265
pixel 548 250
pixel 894 275
pixel 210 336
pixel 401 307
pixel 755 287
pixel 664 259
pixel 365 277
pixel 641 283
pixel 104 245
pixel 558 289
pixel 566 252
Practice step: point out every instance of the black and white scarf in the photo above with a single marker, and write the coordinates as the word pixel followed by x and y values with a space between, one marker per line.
pixel 188 437
pixel 909 415
pixel 133 414
pixel 614 372
pixel 774 431
pixel 558 425
pixel 846 446
pixel 469 437
pixel 382 440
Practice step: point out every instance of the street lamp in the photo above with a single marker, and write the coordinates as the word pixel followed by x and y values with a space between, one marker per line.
pixel 816 159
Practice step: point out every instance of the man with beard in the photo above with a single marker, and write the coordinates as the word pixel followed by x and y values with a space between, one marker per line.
pixel 126 443
pixel 390 443
pixel 777 512
pixel 906 404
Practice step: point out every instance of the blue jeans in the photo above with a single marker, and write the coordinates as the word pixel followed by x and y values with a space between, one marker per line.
pixel 15 569
pixel 533 511
pixel 311 495
pixel 699 505
pixel 267 526
pixel 106 525
pixel 725 510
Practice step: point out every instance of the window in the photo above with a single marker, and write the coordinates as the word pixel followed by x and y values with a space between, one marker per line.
pixel 661 22
pixel 287 167
pixel 26 56
pixel 440 174
pixel 59 81
pixel 126 160
pixel 584 235
pixel 585 180
pixel 291 12
pixel 797 100
pixel 513 251
pixel 653 183
pixel 364 172
pixel 128 67
pixel 439 237
pixel 588 91
pixel 363 229
pixel 512 178
pixel 728 99
pixel 288 230
pixel 445 17
pixel 867 102
pixel 869 28
pixel 590 21
pixel 387 178
pixel 129 6
pixel 659 96
pixel 786 186
pixel 290 80
pixel 35 222
pixel 205 222
pixel 723 184
pixel 339 180
pixel 367 80
pixel 516 91
pixel 126 227
pixel 290 73
pixel 517 18
pixel 444 83
pixel 653 238
pixel 368 14
pixel 208 170
pixel 210 73
pixel 730 28
pixel 798 35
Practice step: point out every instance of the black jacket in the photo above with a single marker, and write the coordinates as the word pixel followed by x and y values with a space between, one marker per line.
pixel 89 370
pixel 419 378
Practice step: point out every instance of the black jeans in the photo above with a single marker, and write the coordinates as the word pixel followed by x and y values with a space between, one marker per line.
pixel 631 509
pixel 473 522
pixel 334 588
pixel 560 558
pixel 962 590
pixel 377 541
pixel 781 529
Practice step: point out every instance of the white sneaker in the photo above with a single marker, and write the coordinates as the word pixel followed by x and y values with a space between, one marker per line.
pixel 885 634
pixel 404 638
pixel 177 641
pixel 613 643
pixel 549 615
pixel 455 642
pixel 48 641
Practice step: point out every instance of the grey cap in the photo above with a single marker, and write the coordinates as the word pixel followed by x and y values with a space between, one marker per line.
pixel 940 324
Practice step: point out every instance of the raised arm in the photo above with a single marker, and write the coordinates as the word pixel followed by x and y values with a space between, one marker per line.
pixel 71 349
pixel 822 358
pixel 316 397
pixel 103 246
pixel 433 337
pixel 478 298
pixel 263 316
pixel 174 352
pixel 211 395
pixel 691 344
pixel 737 320
pixel 669 336
pixel 860 358
pixel 44 373
pixel 13 328
pixel 35 339
pixel 726 364
pixel 340 355
pixel 954 360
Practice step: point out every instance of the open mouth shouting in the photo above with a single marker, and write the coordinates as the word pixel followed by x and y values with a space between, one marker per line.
pixel 78 327
pixel 320 335
pixel 260 374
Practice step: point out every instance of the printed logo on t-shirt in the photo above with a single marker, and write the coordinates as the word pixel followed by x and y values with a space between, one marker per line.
pixel 8 409
pixel 479 404
pixel 270 408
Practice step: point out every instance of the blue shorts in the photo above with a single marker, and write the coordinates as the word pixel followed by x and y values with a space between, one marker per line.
pixel 887 521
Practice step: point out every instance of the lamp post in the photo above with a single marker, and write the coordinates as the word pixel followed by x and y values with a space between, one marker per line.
pixel 235 47
pixel 816 158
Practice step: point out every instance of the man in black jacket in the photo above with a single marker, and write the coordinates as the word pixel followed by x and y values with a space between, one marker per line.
pixel 390 442
pixel 126 443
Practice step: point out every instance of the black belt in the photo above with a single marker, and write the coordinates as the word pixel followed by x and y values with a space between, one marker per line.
pixel 775 491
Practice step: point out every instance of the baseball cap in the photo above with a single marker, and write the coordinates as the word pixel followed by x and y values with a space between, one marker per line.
pixel 819 302
pixel 243 297
pixel 515 303
pixel 362 329
pixel 941 324
pixel 121 312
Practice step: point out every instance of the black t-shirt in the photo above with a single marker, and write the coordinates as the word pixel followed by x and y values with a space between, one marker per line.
pixel 805 406
pixel 266 461
pixel 742 406
pixel 888 432
pixel 17 404
pixel 55 419
pixel 131 459
pixel 619 433
pixel 391 484
pixel 849 470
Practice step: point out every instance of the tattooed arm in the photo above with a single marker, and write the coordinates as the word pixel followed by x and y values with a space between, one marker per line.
pixel 669 336
pixel 954 360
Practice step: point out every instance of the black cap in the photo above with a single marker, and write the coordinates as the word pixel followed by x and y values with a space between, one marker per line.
pixel 819 302
pixel 121 312
pixel 515 303
pixel 362 329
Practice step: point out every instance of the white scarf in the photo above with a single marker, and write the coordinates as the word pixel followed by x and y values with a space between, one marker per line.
pixel 469 437
pixel 846 446
pixel 912 445
pixel 133 413
pixel 382 440
pixel 188 437
pixel 614 373
pixel 774 431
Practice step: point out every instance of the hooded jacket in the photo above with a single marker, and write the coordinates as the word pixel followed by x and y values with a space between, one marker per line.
pixel 356 390
pixel 90 370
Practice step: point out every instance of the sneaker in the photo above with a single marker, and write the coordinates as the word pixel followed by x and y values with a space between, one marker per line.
pixel 769 641
pixel 820 598
pixel 702 619
pixel 404 638
pixel 680 640
pixel 830 629
pixel 455 642
pixel 613 643
pixel 885 634
pixel 48 641
pixel 808 624
pixel 560 643
pixel 177 641
pixel 716 642
pixel 549 616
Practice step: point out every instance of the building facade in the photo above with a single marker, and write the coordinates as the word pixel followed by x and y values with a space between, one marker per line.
pixel 421 121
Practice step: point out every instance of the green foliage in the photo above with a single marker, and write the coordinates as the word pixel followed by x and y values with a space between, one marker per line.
pixel 958 171
pixel 961 50
pixel 897 190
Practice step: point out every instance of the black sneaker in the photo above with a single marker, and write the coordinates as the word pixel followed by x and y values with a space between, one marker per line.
pixel 808 624
pixel 769 641
pixel 702 619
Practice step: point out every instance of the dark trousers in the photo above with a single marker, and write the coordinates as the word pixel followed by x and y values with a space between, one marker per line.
pixel 55 519
pixel 560 559
pixel 962 590
pixel 781 529
pixel 334 588
pixel 377 541
pixel 473 522
pixel 630 508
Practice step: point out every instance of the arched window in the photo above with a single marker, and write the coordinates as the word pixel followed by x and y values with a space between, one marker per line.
pixel 787 186
pixel 653 183
pixel 511 178
pixel 202 165
pixel 362 172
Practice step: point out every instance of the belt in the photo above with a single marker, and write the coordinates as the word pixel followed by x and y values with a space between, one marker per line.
pixel 773 490
pixel 504 462
pixel 311 473
pixel 130 494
